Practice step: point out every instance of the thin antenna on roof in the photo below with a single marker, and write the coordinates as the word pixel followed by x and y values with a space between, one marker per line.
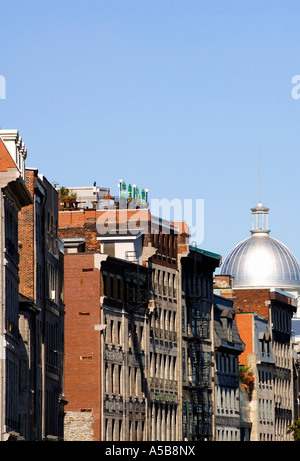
pixel 259 176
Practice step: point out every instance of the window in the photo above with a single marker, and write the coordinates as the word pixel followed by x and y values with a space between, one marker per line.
pixel 111 331
pixel 229 328
pixel 118 288
pixel 119 332
pixel 109 249
pixel 183 364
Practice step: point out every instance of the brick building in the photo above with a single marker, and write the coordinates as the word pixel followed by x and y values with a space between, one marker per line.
pixel 124 232
pixel 41 320
pixel 131 238
pixel 107 335
pixel 83 347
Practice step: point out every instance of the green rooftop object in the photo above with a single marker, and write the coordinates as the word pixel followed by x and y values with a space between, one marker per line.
pixel 205 253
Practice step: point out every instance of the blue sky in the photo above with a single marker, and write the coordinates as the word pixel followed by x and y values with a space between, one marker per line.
pixel 175 96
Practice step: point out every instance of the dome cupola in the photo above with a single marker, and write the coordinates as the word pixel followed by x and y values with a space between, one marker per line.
pixel 261 261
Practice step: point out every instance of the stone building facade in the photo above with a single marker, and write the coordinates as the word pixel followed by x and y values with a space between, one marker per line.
pixel 277 308
pixel 125 314
pixel 228 346
pixel 196 345
pixel 265 279
pixel 270 355
pixel 164 384
pixel 259 357
pixel 14 196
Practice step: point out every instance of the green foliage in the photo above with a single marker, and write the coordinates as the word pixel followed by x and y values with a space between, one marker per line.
pixel 295 429
pixel 64 192
pixel 246 377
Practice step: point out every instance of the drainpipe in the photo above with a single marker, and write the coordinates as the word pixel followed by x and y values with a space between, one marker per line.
pixel 2 344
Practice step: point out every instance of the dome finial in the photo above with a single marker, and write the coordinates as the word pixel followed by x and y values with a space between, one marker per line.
pixel 260 214
pixel 260 219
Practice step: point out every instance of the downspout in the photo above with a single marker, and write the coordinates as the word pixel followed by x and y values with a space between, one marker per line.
pixel 101 327
pixel 34 323
pixel 43 326
pixel 2 345
pixel 213 381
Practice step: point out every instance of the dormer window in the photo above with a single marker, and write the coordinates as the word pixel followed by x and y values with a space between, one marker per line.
pixel 264 339
pixel 227 317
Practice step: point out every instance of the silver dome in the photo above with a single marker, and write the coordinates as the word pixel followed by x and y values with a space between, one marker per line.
pixel 262 261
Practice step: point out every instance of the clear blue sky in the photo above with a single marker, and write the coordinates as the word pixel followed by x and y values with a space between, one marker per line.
pixel 176 96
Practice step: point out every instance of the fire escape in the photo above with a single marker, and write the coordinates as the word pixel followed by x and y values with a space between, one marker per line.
pixel 199 351
pixel 138 292
pixel 200 371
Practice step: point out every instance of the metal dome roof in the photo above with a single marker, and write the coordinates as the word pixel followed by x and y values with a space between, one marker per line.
pixel 262 261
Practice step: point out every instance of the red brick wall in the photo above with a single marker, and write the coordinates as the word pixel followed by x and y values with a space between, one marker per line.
pixel 72 219
pixel 252 300
pixel 82 341
pixel 183 237
pixel 223 281
pixel 82 223
pixel 26 242
pixel 244 324
pixel 5 159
